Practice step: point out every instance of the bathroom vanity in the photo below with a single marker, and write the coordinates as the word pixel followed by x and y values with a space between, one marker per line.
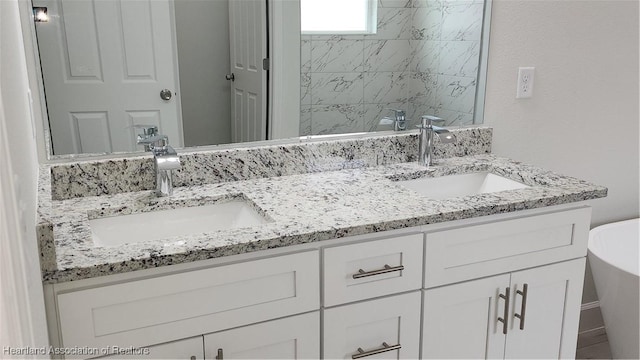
pixel 348 260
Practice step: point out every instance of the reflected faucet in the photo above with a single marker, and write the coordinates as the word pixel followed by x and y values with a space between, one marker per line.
pixel 399 120
pixel 164 156
pixel 427 129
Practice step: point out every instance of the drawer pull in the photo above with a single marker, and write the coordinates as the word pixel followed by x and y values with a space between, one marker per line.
pixel 220 355
pixel 385 347
pixel 504 319
pixel 387 269
pixel 523 307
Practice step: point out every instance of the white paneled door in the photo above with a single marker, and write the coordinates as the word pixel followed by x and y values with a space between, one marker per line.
pixel 542 308
pixel 461 320
pixel 552 311
pixel 247 25
pixel 104 64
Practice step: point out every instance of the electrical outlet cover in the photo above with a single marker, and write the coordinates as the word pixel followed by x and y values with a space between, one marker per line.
pixel 525 82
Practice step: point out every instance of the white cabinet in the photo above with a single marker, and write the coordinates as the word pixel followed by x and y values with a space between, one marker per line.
pixel 296 337
pixel 437 291
pixel 389 327
pixel 460 321
pixel 187 349
pixel 552 311
pixel 467 320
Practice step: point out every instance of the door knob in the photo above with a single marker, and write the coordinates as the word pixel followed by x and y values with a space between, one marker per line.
pixel 231 77
pixel 165 94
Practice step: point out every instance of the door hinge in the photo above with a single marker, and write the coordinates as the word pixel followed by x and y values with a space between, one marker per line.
pixel 265 64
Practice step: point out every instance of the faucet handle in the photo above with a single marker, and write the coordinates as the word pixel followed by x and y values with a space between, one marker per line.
pixel 428 120
pixel 400 122
pixel 155 140
pixel 147 130
pixel 153 143
pixel 397 112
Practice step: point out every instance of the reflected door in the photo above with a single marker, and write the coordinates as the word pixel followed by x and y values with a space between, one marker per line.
pixel 247 32
pixel 104 64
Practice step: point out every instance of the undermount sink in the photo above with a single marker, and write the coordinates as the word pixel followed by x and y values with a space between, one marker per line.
pixel 162 224
pixel 444 187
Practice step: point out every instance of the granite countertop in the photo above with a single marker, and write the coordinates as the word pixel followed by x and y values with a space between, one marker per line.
pixel 303 208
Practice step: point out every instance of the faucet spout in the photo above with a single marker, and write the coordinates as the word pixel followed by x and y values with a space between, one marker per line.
pixel 426 146
pixel 165 160
pixel 445 136
pixel 399 120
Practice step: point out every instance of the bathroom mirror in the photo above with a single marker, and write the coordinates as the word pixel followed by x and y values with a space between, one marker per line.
pixel 110 66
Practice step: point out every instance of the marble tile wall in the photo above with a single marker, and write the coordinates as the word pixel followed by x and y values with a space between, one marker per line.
pixel 423 58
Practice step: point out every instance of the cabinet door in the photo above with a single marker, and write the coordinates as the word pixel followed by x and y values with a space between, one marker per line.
pixel 388 328
pixel 296 337
pixel 551 313
pixel 461 320
pixel 187 349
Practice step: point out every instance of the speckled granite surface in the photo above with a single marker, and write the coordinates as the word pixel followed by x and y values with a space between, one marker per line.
pixel 310 192
pixel 105 177
pixel 304 208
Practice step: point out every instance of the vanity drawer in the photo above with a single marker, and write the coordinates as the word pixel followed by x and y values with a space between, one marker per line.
pixel 192 349
pixel 165 308
pixel 488 249
pixel 371 269
pixel 364 327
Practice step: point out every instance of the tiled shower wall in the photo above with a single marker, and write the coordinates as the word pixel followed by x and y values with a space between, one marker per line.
pixel 423 59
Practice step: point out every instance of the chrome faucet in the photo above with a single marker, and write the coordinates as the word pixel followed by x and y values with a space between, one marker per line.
pixel 427 129
pixel 164 156
pixel 399 121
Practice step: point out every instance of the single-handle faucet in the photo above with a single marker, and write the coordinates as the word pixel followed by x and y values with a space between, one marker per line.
pixel 164 156
pixel 427 129
pixel 399 121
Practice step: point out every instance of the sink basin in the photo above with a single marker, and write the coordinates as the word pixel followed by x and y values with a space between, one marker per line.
pixel 444 187
pixel 161 224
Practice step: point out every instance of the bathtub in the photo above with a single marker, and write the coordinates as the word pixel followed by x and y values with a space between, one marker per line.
pixel 613 255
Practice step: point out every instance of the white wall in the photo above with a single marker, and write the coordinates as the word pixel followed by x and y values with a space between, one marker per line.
pixel 202 29
pixel 583 119
pixel 21 298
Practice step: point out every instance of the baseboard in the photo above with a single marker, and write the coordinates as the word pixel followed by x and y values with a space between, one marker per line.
pixel 590 317
pixel 590 305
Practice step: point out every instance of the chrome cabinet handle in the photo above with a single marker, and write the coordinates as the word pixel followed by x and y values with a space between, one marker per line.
pixel 523 307
pixel 504 319
pixel 192 357
pixel 385 347
pixel 387 269
pixel 220 355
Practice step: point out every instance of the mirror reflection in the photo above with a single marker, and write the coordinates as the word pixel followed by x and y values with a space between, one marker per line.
pixel 195 69
pixel 423 59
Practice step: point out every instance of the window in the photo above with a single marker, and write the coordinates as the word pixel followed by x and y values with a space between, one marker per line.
pixel 338 16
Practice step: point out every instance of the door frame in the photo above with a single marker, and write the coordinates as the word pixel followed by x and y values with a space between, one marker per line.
pixel 283 102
